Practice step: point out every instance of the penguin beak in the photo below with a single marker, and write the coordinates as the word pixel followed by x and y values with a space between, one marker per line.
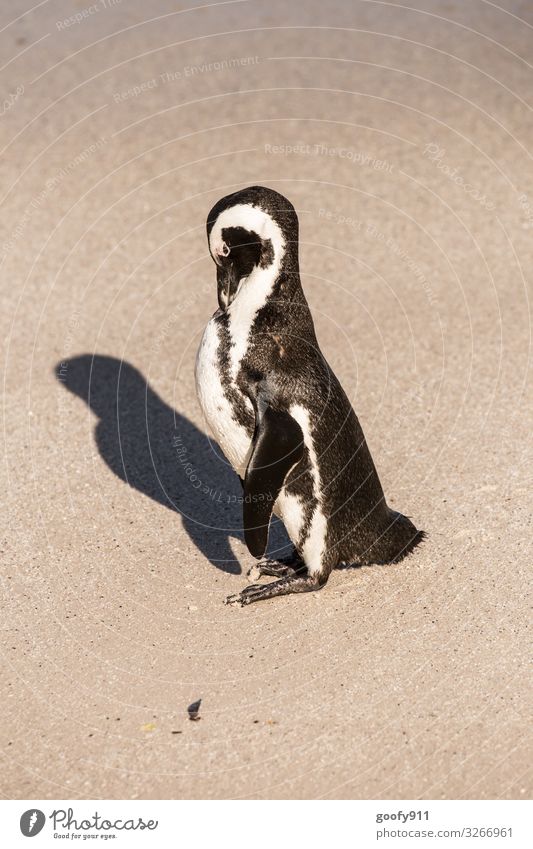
pixel 227 285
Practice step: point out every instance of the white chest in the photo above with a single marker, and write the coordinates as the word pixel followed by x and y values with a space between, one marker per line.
pixel 230 435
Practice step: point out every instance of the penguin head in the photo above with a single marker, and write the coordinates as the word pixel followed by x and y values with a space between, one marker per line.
pixel 250 233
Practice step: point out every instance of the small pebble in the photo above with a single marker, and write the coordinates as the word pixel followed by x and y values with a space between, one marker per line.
pixel 194 710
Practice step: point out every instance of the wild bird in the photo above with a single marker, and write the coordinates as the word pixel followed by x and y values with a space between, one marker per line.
pixel 279 413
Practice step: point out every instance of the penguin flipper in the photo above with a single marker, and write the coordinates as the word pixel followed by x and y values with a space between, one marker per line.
pixel 277 446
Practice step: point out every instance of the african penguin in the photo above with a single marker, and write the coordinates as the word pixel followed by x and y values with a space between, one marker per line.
pixel 279 413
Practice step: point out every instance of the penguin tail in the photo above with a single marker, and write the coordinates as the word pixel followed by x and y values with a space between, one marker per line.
pixel 412 543
pixel 404 537
pixel 397 538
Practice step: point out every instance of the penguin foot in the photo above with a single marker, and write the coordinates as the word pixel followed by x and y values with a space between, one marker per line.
pixel 285 567
pixel 289 584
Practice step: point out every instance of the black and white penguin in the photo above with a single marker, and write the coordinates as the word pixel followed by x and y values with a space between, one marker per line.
pixel 279 413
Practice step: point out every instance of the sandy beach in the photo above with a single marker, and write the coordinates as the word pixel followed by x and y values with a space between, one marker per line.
pixel 403 136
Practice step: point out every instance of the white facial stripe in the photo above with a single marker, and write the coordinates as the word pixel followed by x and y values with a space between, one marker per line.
pixel 253 290
pixel 250 218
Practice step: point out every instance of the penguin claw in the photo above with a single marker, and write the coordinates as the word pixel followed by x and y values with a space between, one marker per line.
pixel 245 596
pixel 232 599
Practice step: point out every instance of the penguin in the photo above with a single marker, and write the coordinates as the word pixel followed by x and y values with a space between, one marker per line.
pixel 279 412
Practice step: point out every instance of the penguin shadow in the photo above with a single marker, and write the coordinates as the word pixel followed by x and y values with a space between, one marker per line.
pixel 160 453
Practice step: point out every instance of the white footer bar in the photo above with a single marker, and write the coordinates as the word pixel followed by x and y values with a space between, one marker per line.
pixel 268 824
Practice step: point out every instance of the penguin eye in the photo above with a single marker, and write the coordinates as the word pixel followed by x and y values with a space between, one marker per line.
pixel 225 249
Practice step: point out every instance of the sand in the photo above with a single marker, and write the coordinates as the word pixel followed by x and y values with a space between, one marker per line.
pixel 402 134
